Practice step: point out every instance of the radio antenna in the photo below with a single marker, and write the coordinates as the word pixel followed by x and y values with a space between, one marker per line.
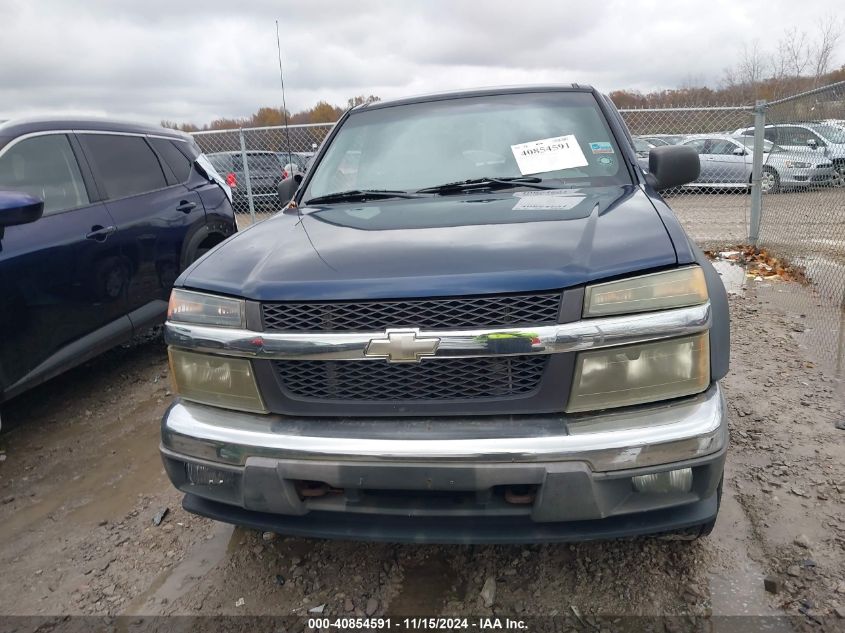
pixel 284 103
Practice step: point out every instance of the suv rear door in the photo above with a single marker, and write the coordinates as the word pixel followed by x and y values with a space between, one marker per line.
pixel 61 276
pixel 153 211
pixel 185 161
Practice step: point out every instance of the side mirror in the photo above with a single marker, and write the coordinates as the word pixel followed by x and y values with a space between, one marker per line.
pixel 287 188
pixel 738 152
pixel 18 208
pixel 811 143
pixel 672 166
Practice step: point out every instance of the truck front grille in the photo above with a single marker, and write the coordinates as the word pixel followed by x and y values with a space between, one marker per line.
pixel 448 379
pixel 369 316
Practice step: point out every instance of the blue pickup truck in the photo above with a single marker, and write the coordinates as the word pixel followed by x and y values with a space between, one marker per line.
pixel 475 320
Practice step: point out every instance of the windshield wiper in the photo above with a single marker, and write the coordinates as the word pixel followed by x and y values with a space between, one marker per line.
pixel 360 195
pixel 488 182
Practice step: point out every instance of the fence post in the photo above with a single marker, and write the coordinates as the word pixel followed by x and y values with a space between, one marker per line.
pixel 757 172
pixel 246 176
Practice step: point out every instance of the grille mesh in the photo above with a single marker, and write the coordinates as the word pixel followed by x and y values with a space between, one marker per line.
pixel 459 378
pixel 463 312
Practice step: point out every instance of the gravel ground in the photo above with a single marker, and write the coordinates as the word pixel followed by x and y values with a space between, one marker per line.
pixel 81 481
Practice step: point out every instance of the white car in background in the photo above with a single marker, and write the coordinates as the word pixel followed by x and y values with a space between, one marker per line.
pixel 816 143
pixel 726 162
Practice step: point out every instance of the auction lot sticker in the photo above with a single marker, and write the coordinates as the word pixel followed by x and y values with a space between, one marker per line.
pixel 548 154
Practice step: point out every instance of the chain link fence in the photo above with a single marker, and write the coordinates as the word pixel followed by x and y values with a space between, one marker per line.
pixel 715 209
pixel 806 225
pixel 772 175
pixel 253 160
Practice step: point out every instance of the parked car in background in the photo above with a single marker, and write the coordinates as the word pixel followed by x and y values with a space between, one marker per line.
pixel 468 326
pixel 815 142
pixel 727 161
pixel 642 147
pixel 669 139
pixel 126 208
pixel 657 141
pixel 265 172
pixel 294 163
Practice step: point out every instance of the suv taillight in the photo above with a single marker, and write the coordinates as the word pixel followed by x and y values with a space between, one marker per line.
pixel 231 180
pixel 284 174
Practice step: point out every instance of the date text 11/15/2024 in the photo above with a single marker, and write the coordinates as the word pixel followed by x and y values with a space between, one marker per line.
pixel 417 624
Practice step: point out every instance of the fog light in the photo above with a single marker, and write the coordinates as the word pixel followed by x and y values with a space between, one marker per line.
pixel 671 481
pixel 199 475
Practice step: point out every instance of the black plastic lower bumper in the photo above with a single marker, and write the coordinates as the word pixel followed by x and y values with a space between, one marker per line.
pixel 457 530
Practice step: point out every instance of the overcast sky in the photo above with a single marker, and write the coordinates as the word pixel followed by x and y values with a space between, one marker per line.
pixel 170 59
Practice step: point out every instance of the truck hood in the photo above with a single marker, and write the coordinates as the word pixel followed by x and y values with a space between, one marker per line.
pixel 479 243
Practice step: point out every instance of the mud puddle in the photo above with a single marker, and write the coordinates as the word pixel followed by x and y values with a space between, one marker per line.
pixel 737 596
pixel 733 276
pixel 822 331
pixel 172 584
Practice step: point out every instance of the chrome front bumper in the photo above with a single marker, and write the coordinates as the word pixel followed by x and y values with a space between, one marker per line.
pixel 579 467
pixel 634 437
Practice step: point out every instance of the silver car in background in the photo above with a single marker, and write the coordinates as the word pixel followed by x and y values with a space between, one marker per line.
pixel 726 162
pixel 816 141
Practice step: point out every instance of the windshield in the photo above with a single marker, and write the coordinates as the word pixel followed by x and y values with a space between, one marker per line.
pixel 561 137
pixel 829 132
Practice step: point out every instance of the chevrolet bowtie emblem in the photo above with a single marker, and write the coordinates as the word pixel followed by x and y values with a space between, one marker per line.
pixel 402 346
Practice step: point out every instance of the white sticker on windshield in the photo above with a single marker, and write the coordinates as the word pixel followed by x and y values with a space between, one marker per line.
pixel 549 200
pixel 548 154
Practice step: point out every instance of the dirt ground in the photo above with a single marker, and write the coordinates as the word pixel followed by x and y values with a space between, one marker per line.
pixel 81 482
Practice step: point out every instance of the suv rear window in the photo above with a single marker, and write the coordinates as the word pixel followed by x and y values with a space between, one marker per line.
pixel 176 160
pixel 126 164
pixel 259 162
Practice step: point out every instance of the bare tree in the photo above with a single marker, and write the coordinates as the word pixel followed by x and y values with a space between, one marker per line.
pixel 749 71
pixel 795 51
pixel 828 36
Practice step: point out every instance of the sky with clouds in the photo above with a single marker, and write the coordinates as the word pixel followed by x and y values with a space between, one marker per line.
pixel 175 60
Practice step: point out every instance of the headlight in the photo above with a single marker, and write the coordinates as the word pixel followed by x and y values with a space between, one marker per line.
pixel 636 374
pixel 197 307
pixel 659 291
pixel 797 164
pixel 216 380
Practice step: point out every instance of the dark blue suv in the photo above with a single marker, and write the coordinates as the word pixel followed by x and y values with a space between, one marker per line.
pixel 125 209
